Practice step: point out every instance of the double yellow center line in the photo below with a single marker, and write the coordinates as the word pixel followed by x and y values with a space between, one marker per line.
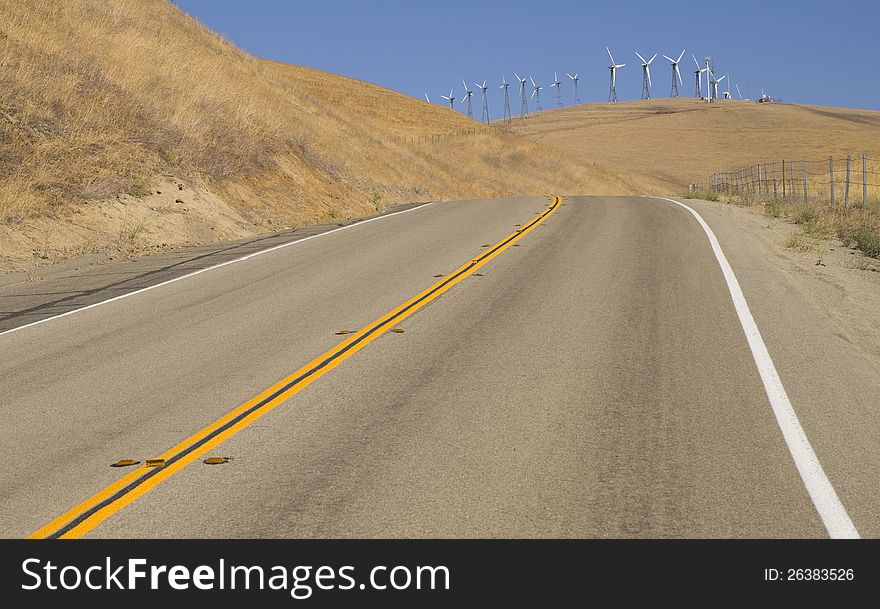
pixel 90 513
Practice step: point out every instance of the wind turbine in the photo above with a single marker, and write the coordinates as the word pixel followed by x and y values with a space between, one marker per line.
pixel 574 80
pixel 646 75
pixel 715 82
pixel 506 86
pixel 557 84
pixel 450 98
pixel 536 93
pixel 468 97
pixel 675 72
pixel 698 78
pixel 485 90
pixel 524 108
pixel 612 93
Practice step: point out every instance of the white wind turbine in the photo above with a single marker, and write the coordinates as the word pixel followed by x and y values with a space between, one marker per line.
pixel 612 93
pixel 574 80
pixel 485 89
pixel 506 86
pixel 450 98
pixel 524 107
pixel 536 93
pixel 557 84
pixel 675 72
pixel 469 98
pixel 646 75
pixel 715 82
pixel 698 78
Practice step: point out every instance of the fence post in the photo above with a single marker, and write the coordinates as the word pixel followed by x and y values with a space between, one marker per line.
pixel 783 178
pixel 864 181
pixel 846 190
pixel 759 178
pixel 775 192
pixel 804 179
pixel 791 174
pixel 831 176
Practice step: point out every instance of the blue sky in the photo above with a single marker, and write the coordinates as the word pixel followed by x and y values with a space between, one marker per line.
pixel 804 52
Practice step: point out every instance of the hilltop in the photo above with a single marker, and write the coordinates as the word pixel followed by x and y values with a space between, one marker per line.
pixel 128 126
pixel 662 145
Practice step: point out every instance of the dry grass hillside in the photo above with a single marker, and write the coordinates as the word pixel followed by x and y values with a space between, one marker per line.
pixel 127 126
pixel 665 144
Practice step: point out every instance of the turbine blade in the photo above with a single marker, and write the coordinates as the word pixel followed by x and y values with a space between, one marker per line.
pixel 680 56
pixel 669 58
pixel 677 71
pixel 610 55
pixel 652 59
pixel 695 60
pixel 648 70
pixel 640 57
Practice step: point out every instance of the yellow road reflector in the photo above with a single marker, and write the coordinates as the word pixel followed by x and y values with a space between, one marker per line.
pixel 216 460
pixel 155 462
pixel 397 330
pixel 124 463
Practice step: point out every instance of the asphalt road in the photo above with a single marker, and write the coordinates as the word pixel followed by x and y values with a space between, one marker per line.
pixel 591 379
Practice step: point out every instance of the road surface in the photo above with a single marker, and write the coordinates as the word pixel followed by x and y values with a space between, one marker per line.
pixel 586 377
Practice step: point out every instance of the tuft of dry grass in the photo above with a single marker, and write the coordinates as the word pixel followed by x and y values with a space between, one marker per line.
pixel 100 101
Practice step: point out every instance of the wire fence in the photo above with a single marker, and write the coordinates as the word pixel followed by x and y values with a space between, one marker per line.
pixel 838 182
pixel 481 129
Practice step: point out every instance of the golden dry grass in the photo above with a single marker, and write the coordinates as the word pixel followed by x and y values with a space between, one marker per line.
pixel 663 145
pixel 103 101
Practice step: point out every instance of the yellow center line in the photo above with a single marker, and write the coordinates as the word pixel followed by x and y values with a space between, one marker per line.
pixel 82 518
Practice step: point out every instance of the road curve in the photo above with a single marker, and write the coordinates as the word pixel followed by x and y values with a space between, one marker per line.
pixel 591 380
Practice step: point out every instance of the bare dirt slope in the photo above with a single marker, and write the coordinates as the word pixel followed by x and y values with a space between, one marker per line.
pixel 128 125
pixel 662 145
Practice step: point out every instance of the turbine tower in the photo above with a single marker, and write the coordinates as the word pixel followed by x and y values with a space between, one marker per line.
pixel 675 72
pixel 715 82
pixel 524 108
pixel 506 86
pixel 536 93
pixel 698 79
pixel 469 98
pixel 485 90
pixel 450 98
pixel 612 93
pixel 574 80
pixel 646 75
pixel 709 77
pixel 557 84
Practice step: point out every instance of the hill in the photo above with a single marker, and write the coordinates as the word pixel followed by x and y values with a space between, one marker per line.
pixel 128 126
pixel 663 145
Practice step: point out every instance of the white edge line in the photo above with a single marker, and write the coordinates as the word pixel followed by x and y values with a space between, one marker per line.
pixel 216 266
pixel 834 516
